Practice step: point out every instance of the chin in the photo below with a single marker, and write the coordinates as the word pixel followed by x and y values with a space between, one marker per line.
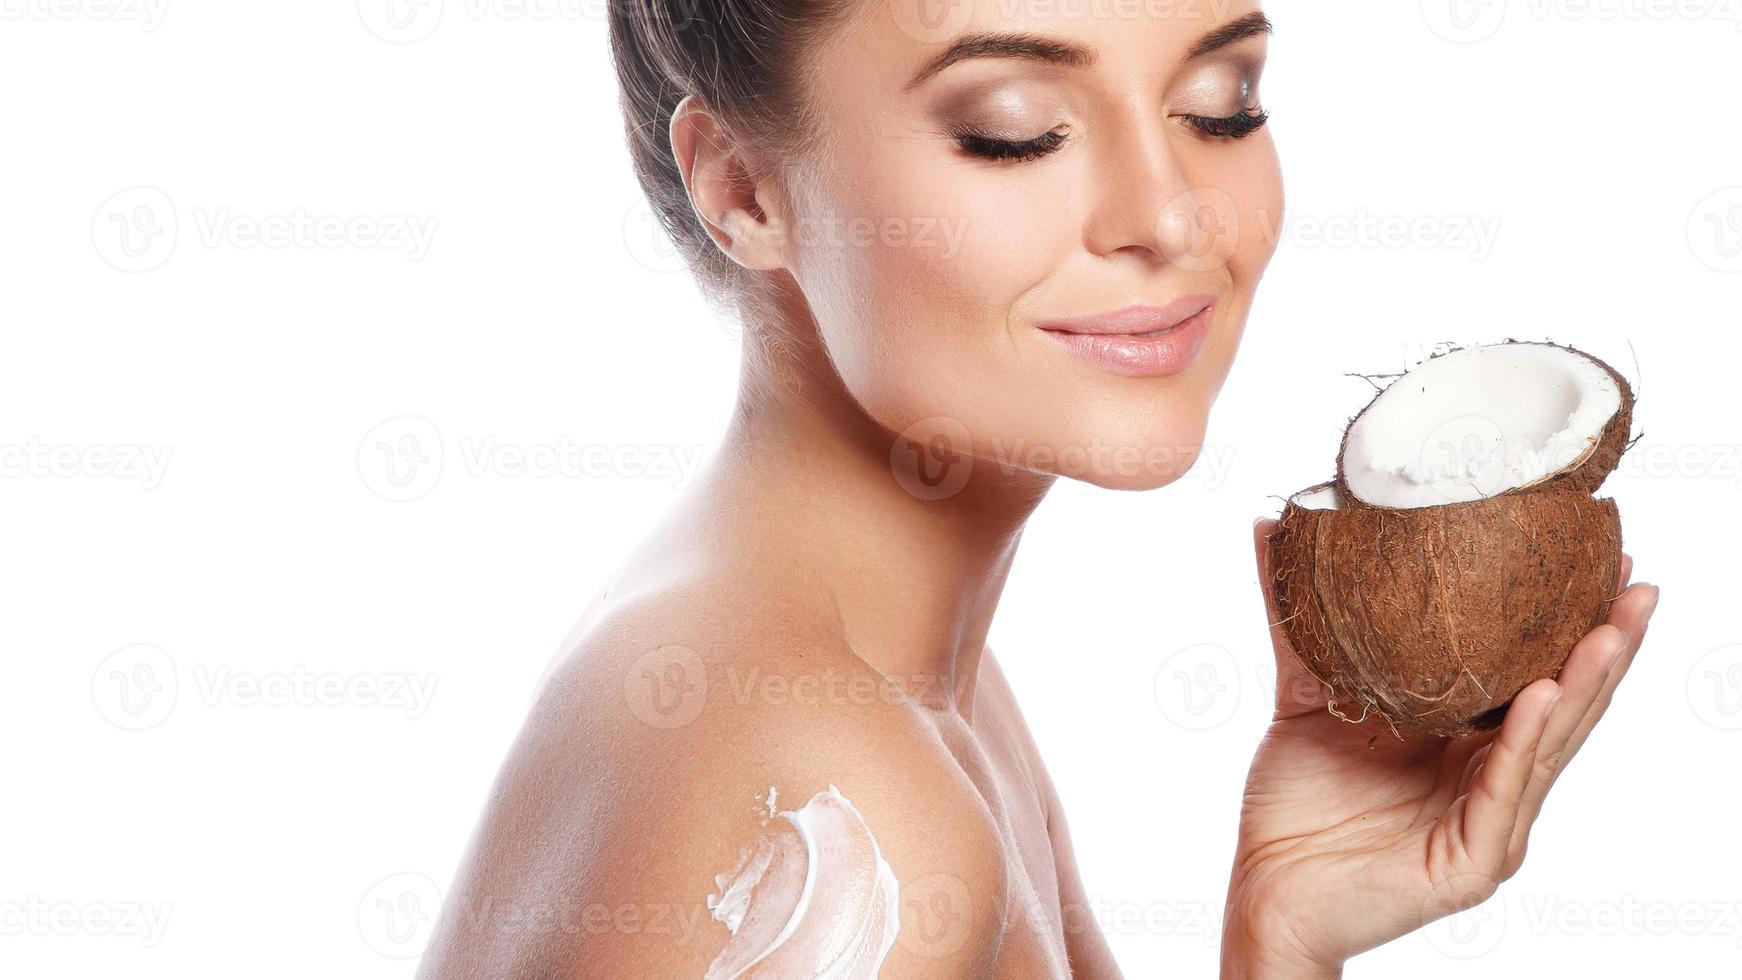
pixel 1148 476
pixel 1126 461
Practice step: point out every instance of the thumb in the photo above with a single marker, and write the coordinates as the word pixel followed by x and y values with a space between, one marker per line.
pixel 1297 690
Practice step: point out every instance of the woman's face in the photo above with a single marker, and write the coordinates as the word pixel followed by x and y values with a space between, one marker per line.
pixel 1106 158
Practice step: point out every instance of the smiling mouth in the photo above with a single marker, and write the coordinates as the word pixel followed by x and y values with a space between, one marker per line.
pixel 1139 341
pixel 1134 335
pixel 1164 331
pixel 1137 321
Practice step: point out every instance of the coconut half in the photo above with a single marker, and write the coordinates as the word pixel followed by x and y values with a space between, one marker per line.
pixel 1433 613
pixel 1482 421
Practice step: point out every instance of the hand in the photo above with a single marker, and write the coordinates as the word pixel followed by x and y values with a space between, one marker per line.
pixel 1350 838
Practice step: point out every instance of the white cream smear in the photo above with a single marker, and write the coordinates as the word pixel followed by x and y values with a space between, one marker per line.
pixel 810 899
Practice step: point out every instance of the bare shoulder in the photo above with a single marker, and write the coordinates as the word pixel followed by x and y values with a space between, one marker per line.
pixel 1086 946
pixel 688 728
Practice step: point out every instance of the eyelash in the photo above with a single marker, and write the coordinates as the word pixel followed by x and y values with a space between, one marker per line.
pixel 1238 126
pixel 992 148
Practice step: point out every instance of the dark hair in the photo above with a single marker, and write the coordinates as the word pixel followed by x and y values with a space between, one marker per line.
pixel 744 60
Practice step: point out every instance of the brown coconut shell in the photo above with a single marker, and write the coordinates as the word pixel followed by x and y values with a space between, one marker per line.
pixel 1434 618
pixel 1585 474
pixel 1294 592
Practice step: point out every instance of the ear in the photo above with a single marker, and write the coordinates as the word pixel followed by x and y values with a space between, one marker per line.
pixel 740 213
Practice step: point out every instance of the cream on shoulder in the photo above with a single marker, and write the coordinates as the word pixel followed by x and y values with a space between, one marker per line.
pixel 811 898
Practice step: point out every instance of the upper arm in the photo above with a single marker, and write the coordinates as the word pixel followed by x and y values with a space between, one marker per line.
pixel 604 836
pixel 1085 945
pixel 1086 949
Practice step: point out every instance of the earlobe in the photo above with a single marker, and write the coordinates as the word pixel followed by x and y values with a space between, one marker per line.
pixel 723 189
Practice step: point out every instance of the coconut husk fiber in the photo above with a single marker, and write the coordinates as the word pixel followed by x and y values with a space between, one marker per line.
pixel 1435 618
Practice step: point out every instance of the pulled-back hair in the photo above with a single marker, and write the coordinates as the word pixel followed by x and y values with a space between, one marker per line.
pixel 744 60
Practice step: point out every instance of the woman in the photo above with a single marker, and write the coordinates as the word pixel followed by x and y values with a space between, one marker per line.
pixel 972 252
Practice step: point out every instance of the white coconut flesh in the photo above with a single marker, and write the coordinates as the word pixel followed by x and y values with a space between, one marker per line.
pixel 1318 498
pixel 1477 422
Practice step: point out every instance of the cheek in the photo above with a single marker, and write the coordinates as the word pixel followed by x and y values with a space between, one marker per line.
pixel 1256 177
pixel 913 272
pixel 1248 183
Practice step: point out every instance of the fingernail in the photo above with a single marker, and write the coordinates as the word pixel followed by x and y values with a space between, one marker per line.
pixel 1652 606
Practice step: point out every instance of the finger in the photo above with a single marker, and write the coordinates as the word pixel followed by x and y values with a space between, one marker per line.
pixel 1581 679
pixel 1261 530
pixel 1626 624
pixel 1491 809
pixel 1631 614
pixel 1473 765
pixel 1589 680
pixel 1297 690
pixel 1626 571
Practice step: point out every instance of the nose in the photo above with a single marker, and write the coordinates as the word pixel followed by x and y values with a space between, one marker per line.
pixel 1144 203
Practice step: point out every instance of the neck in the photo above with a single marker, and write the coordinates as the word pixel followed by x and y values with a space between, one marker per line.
pixel 804 479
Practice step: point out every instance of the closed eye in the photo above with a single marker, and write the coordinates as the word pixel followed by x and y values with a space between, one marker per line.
pixel 1238 126
pixel 996 148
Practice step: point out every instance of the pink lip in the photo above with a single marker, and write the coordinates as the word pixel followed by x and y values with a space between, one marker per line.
pixel 1112 340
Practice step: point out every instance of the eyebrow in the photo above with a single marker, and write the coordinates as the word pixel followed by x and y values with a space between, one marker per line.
pixel 1046 50
pixel 1251 25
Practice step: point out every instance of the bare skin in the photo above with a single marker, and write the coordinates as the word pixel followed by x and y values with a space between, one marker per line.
pixel 599 808
pixel 808 616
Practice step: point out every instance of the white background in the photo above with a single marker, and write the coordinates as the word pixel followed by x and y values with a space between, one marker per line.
pixel 270 831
